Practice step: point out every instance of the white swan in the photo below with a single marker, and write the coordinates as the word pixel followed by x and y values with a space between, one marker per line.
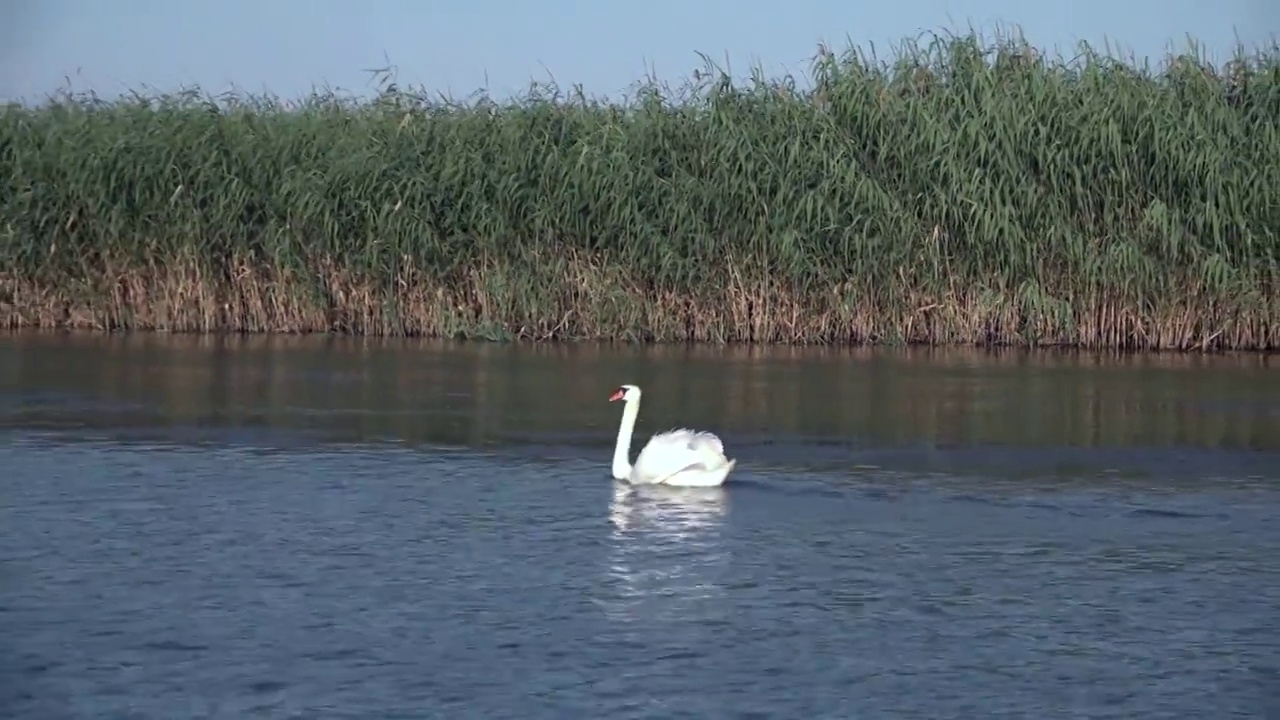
pixel 684 458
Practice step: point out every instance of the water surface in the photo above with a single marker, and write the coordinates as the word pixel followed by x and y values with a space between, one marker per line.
pixel 321 527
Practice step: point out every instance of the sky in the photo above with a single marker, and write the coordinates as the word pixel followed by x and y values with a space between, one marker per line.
pixel 289 47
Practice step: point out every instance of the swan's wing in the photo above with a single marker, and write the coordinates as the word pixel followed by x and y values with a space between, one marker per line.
pixel 696 439
pixel 670 452
pixel 661 459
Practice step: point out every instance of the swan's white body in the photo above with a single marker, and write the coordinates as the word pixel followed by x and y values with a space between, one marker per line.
pixel 683 458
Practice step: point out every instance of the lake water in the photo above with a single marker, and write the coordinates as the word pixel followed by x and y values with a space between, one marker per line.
pixel 196 527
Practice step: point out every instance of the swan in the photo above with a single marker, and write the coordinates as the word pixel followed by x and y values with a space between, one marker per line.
pixel 683 458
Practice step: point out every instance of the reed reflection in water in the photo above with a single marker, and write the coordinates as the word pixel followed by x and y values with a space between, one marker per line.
pixel 475 394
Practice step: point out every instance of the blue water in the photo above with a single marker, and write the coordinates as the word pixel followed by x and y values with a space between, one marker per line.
pixel 229 558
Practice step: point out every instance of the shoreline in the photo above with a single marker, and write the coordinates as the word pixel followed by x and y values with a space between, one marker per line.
pixel 1068 355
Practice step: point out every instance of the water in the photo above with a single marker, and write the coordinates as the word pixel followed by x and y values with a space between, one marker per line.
pixel 306 527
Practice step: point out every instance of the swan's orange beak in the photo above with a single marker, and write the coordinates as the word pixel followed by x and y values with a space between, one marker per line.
pixel 617 394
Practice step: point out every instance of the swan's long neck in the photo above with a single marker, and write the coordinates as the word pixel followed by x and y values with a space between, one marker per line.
pixel 622 451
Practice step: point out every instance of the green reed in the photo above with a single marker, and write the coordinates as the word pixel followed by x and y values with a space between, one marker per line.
pixel 957 193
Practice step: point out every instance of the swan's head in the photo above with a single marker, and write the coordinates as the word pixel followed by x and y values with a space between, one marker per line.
pixel 627 393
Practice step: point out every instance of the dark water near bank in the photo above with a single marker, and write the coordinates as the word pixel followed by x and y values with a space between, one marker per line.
pixel 320 528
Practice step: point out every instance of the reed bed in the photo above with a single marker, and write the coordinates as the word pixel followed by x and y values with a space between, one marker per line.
pixel 958 193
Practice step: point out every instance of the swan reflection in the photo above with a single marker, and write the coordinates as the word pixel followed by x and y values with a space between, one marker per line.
pixel 667 552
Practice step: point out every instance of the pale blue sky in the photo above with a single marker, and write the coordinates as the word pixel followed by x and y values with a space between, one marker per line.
pixel 286 46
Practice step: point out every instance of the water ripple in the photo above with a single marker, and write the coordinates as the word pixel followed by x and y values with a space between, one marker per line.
pixel 356 581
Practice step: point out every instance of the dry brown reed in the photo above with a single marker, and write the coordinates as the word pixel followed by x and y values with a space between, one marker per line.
pixel 593 299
